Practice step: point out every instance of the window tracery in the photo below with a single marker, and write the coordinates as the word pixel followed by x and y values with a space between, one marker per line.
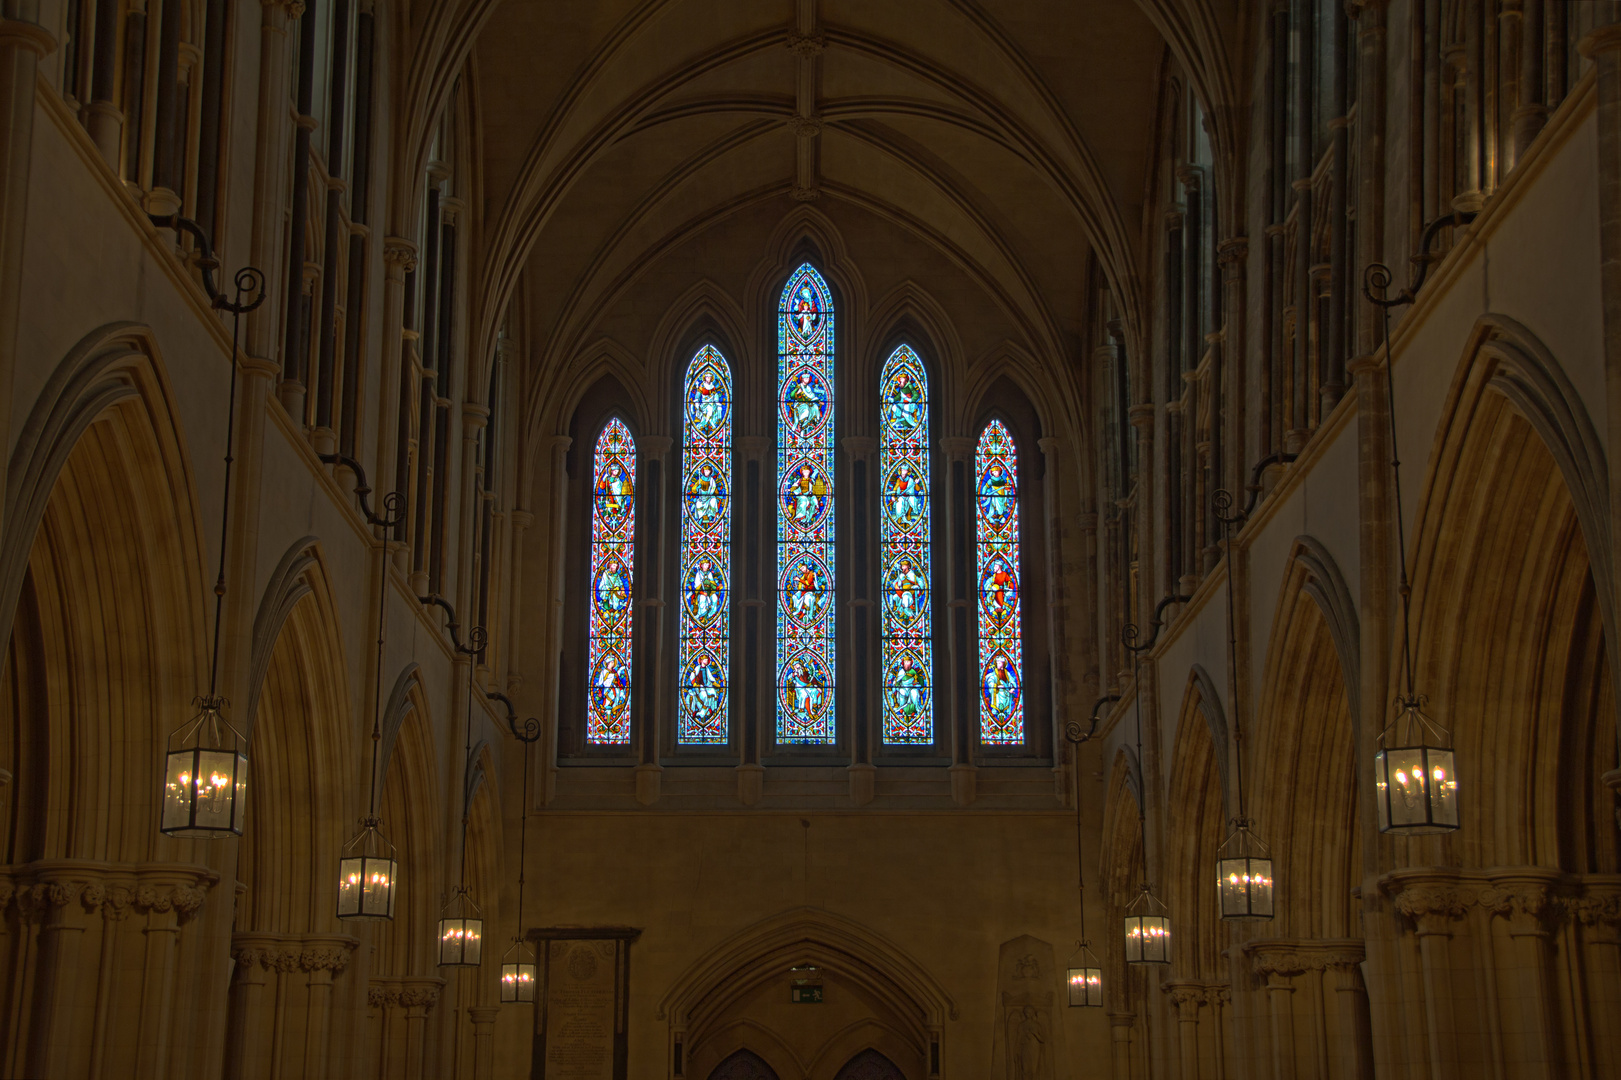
pixel 996 514
pixel 613 531
pixel 904 521
pixel 805 521
pixel 706 550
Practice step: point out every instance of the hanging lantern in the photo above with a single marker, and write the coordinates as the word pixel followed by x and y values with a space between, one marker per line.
pixel 461 931
pixel 367 874
pixel 1148 930
pixel 518 974
pixel 205 776
pixel 1244 875
pixel 1086 981
pixel 1417 781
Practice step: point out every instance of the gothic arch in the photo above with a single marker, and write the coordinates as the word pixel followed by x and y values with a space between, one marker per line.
pixel 1306 726
pixel 1512 630
pixel 1196 827
pixel 413 820
pixel 703 314
pixel 101 594
pixel 696 1006
pixel 1121 871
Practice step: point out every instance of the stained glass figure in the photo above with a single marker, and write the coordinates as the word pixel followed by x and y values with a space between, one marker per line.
pixel 903 536
pixel 706 549
pixel 613 531
pixel 996 517
pixel 805 510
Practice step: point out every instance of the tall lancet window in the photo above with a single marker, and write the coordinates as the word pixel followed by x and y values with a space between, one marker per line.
pixel 903 532
pixel 805 510
pixel 706 548
pixel 1001 680
pixel 613 532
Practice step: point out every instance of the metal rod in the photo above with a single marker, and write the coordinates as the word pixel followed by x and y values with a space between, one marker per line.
pixel 1224 501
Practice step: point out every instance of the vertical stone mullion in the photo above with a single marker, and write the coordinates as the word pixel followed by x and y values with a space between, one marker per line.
pixel 755 653
pixel 556 497
pixel 294 354
pixel 656 602
pixel 864 703
pixel 957 452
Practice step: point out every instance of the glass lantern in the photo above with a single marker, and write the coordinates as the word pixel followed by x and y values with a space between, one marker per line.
pixel 461 931
pixel 1244 875
pixel 1148 930
pixel 205 776
pixel 518 974
pixel 367 875
pixel 1086 981
pixel 1415 775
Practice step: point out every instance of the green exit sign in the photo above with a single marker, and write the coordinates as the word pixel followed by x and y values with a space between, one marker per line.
pixel 805 995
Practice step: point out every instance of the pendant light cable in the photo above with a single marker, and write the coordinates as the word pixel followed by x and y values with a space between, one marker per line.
pixel 377 689
pixel 1224 501
pixel 1404 589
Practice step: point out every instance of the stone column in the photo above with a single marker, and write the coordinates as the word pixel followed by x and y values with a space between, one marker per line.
pixel 1532 112
pixel 1186 997
pixel 1219 998
pixel 1351 1010
pixel 961 613
pixel 399 260
pixel 22 43
pixel 1279 967
pixel 1603 47
pixel 483 1018
pixel 248 1045
pixel 1120 1038
pixel 270 173
pixel 1052 454
pixel 1599 914
pixel 1525 901
pixel 53 906
pixel 1434 909
pixel 1230 453
pixel 165 907
pixel 557 494
pixel 475 417
pixel 418 1002
pixel 323 961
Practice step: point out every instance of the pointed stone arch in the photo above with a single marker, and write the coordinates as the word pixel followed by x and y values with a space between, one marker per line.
pixel 1513 617
pixel 1197 825
pixel 912 1005
pixel 1306 726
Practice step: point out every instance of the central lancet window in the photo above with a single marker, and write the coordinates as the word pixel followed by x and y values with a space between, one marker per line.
pixel 706 548
pixel 996 482
pixel 805 525
pixel 903 466
pixel 613 530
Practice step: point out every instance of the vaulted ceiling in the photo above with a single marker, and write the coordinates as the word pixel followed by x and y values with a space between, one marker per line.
pixel 978 149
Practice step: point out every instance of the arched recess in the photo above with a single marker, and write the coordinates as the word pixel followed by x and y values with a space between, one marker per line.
pixel 302 799
pixel 101 598
pixel 1513 626
pixel 1198 825
pixel 879 995
pixel 412 815
pixel 1120 876
pixel 1305 796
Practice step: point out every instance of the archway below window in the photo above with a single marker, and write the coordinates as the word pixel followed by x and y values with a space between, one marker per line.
pixel 744 1065
pixel 870 1065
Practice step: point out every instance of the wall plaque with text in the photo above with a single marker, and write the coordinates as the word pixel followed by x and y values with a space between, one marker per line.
pixel 582 1002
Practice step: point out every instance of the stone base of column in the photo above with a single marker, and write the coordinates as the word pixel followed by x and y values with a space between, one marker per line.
pixel 648 779
pixel 962 784
pixel 750 784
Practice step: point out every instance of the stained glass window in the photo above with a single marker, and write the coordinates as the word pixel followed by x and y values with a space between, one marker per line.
pixel 903 533
pixel 706 548
pixel 996 519
pixel 805 510
pixel 613 530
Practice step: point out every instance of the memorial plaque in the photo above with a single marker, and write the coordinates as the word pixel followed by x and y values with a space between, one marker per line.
pixel 583 999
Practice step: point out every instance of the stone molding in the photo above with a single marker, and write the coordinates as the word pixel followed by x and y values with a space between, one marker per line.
pixel 1534 899
pixel 404 992
pixel 289 953
pixel 111 890
pixel 1288 957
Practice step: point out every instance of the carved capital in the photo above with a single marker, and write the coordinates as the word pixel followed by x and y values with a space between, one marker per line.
pixel 424 997
pixel 1285 962
pixel 382 997
pixel 399 255
pixel 1233 251
pixel 331 958
pixel 1430 906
